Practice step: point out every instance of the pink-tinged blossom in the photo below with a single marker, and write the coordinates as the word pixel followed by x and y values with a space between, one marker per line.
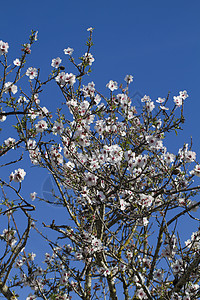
pixel 17 62
pixel 43 112
pixel 190 156
pixel 35 156
pixel 169 158
pixel 72 103
pixel 123 204
pixel 69 151
pixel 64 79
pixel 55 154
pixel 196 171
pixel 18 176
pixel 160 100
pixel 94 164
pixel 58 128
pixel 192 287
pixel 10 87
pixel 140 161
pixel 64 278
pixel 68 51
pixel 150 105
pixel 19 263
pixel 104 271
pixel 112 154
pixel 82 138
pixel 112 85
pixel 96 244
pixel 56 62
pixel 31 297
pixel 182 202
pixel 169 252
pixel 97 99
pixel 177 267
pixel 88 58
pixel 182 152
pixel 31 73
pixel 100 127
pixel 141 294
pixel 158 275
pixel 128 79
pixel 9 236
pixel 32 114
pixel 101 196
pixel 41 126
pixel 27 48
pixel 10 142
pixel 3 48
pixel 145 99
pixel 33 196
pixel 129 254
pixel 178 100
pixel 31 144
pixel 85 192
pixel 194 242
pixel 31 256
pixel 131 165
pixel 130 115
pixel 39 271
pixel 65 141
pixel 122 267
pixel 89 119
pixel 83 107
pixel 115 154
pixel 48 258
pixel 124 100
pixel 183 94
pixel 145 200
pixel 90 179
pixel 22 100
pixel 157 124
pixel 89 89
pixel 144 221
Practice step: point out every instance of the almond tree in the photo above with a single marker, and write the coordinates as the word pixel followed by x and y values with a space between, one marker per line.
pixel 123 192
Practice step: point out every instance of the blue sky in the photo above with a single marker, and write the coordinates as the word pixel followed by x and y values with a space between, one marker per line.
pixel 158 42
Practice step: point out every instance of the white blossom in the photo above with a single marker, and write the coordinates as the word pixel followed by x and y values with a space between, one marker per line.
pixel 10 87
pixel 31 73
pixel 18 176
pixel 112 85
pixel 68 51
pixel 56 62
pixel 3 47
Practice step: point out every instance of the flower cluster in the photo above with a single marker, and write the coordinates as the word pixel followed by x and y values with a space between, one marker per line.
pixel 18 176
pixel 65 78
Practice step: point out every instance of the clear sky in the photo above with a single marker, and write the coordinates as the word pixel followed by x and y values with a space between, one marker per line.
pixel 158 42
